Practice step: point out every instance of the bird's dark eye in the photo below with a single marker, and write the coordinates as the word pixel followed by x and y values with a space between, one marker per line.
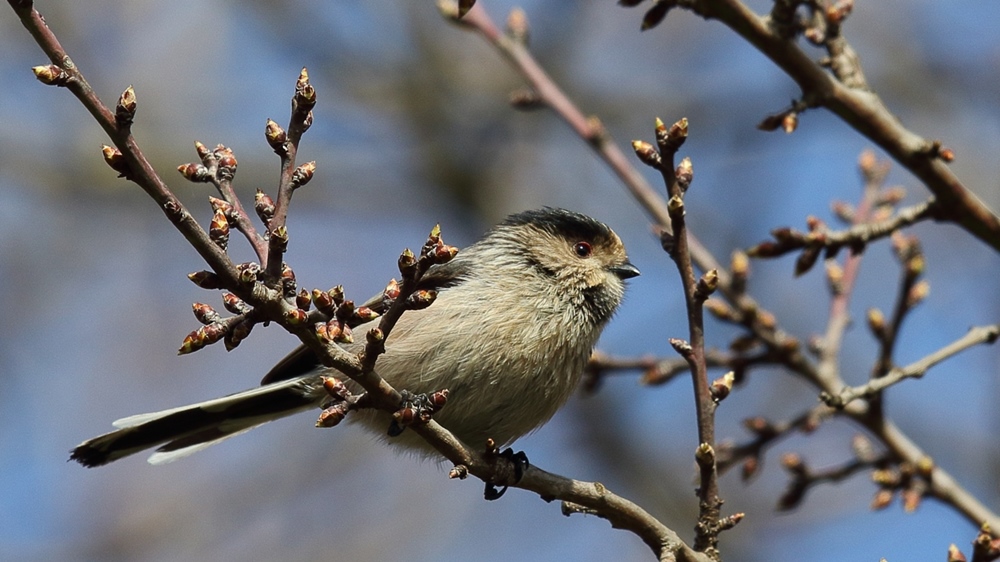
pixel 583 249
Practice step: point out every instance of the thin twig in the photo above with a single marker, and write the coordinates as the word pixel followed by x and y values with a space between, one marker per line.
pixel 863 110
pixel 975 336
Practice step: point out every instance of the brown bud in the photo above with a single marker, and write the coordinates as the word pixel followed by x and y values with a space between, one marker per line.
pixel 303 300
pixel 707 284
pixel 704 455
pixel 433 237
pixel 647 153
pixel 194 172
pixel 337 294
pixel 807 259
pixel 722 386
pixel 443 253
pixel 279 238
pixel 407 264
pixel 439 399
pixel 731 521
pixel 365 314
pixel 116 160
pixel 322 330
pixel 205 279
pixel 305 95
pixel 345 311
pixel 191 343
pixel 204 313
pixel 946 154
pixel 239 333
pixel 345 335
pixel 681 346
pixel 335 387
pixel 287 280
pixel 421 299
pixel 955 555
pixel 51 75
pixel 264 205
pixel 375 336
pixel 227 165
pixel 221 205
pixel 303 174
pixel 750 468
pixel 247 272
pixel 296 317
pixel 391 291
pixel 234 304
pixel 405 416
pixel 684 174
pixel 211 333
pixel 675 206
pixel 276 137
pixel 219 230
pixel 204 153
pixel 332 415
pixel 323 302
pixel 125 110
pixel 671 139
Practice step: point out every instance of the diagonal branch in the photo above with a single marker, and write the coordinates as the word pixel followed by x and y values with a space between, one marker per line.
pixel 863 110
pixel 975 336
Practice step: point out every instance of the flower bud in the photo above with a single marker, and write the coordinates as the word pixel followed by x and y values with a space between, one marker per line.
pixel 194 172
pixel 51 75
pixel 276 137
pixel 125 110
pixel 205 279
pixel 303 174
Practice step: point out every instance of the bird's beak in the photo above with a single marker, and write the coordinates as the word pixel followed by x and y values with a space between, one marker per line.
pixel 625 270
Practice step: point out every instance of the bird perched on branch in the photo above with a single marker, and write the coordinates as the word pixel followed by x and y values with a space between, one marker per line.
pixel 516 317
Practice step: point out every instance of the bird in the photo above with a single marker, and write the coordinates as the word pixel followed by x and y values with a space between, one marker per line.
pixel 516 318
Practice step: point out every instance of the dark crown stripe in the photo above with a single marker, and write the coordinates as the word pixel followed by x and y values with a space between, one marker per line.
pixel 562 223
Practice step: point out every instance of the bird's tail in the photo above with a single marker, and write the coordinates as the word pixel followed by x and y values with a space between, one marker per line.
pixel 185 430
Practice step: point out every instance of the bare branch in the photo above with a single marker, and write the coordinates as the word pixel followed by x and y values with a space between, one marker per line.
pixel 975 336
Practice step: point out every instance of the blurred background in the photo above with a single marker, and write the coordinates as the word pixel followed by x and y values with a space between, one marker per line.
pixel 413 128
